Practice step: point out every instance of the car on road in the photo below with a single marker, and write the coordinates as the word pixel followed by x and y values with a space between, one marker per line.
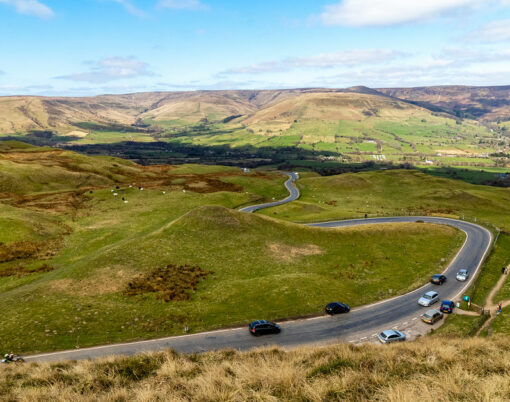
pixel 431 316
pixel 462 275
pixel 263 327
pixel 391 335
pixel 337 308
pixel 438 279
pixel 447 306
pixel 428 299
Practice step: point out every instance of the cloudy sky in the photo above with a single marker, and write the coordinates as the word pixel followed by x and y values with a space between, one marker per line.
pixel 87 47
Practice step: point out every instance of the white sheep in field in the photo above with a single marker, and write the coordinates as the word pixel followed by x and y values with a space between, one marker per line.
pixel 115 194
pixel 164 192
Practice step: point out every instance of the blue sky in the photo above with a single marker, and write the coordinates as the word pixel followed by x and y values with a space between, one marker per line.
pixel 88 47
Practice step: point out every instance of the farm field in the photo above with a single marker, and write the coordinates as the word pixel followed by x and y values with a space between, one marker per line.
pixel 83 267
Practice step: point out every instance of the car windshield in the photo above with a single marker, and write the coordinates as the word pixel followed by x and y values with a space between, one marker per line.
pixel 427 316
pixel 427 297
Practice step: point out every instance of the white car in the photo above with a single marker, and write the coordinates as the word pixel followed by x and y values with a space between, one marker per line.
pixel 462 275
pixel 428 299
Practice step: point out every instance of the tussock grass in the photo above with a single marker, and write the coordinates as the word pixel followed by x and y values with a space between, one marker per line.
pixel 435 369
pixel 169 283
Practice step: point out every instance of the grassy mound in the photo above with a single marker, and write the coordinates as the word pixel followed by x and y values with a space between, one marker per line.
pixel 446 369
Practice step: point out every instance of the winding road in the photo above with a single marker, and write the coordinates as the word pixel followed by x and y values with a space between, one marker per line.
pixel 360 325
pixel 293 195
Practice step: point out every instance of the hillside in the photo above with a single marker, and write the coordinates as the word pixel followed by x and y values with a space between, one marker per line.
pixel 70 116
pixel 82 244
pixel 297 127
pixel 484 103
pixel 444 369
pixel 395 192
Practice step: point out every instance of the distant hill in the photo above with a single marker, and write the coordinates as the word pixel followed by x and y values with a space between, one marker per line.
pixel 76 116
pixel 483 103
pixel 333 107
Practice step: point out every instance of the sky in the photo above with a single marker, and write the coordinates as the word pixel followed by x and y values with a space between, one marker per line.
pixel 90 47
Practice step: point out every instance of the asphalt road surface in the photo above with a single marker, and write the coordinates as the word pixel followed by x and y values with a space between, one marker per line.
pixel 360 325
pixel 293 195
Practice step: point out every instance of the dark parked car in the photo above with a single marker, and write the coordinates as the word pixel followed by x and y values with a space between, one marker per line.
pixel 263 327
pixel 447 306
pixel 438 279
pixel 337 308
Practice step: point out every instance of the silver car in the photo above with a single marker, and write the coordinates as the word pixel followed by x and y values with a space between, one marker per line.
pixel 391 335
pixel 462 275
pixel 428 299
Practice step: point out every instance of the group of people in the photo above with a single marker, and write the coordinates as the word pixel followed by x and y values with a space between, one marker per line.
pixel 11 357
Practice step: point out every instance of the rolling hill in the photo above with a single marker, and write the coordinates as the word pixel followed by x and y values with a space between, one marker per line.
pixel 89 240
pixel 427 126
pixel 484 103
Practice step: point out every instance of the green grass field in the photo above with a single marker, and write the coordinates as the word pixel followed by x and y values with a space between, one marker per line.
pixel 395 192
pixel 71 248
pixel 499 258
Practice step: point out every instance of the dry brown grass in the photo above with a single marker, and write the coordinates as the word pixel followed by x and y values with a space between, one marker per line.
pixel 288 253
pixel 435 369
pixel 104 281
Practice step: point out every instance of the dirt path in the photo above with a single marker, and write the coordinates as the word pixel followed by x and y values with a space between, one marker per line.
pixel 491 305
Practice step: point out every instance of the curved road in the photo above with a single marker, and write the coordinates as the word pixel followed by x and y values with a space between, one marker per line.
pixel 293 195
pixel 361 324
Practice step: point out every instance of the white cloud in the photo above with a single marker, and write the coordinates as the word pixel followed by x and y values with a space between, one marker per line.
pixel 195 5
pixel 112 69
pixel 390 12
pixel 131 8
pixel 346 58
pixel 495 31
pixel 30 7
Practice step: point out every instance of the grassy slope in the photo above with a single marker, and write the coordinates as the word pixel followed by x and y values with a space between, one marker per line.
pixel 111 242
pixel 71 305
pixel 445 369
pixel 395 192
pixel 352 125
pixel 356 126
pixel 499 258
pixel 410 192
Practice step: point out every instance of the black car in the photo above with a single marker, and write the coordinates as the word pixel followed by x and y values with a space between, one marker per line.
pixel 438 279
pixel 263 327
pixel 337 308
